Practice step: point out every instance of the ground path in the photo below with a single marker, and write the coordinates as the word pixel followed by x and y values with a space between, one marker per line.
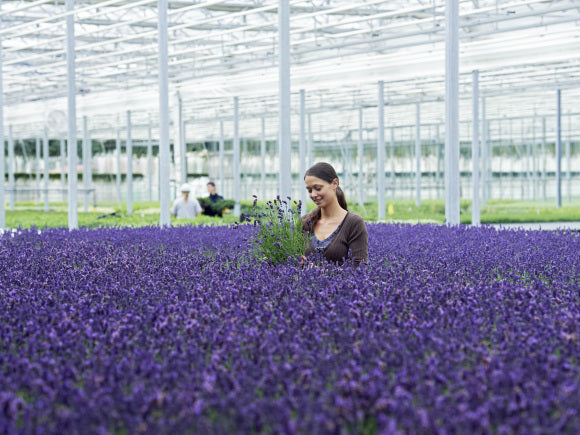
pixel 540 226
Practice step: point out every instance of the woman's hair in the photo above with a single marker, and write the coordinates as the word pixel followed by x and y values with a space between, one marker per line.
pixel 325 172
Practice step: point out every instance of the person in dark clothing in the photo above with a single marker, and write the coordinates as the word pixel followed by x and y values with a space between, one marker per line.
pixel 213 198
pixel 334 231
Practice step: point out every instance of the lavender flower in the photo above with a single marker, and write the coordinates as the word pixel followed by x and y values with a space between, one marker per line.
pixel 445 330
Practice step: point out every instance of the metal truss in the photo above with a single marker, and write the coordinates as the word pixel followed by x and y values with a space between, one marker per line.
pixel 339 50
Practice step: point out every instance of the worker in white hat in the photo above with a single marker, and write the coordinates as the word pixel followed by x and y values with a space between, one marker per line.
pixel 186 207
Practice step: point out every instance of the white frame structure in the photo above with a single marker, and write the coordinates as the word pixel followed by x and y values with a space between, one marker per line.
pixel 111 56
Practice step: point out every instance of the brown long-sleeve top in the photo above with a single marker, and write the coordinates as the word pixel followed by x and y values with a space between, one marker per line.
pixel 352 236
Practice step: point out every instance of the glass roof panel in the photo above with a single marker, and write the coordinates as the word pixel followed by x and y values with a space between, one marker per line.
pixel 339 50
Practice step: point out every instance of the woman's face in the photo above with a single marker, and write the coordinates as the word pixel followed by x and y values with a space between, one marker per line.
pixel 320 191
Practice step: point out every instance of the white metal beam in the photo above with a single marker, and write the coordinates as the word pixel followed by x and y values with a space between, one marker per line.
pixel 360 158
pixel 72 121
pixel 63 168
pixel 11 183
pixel 302 150
pixel 149 164
pixel 559 148
pixel 163 75
pixel 2 147
pixel 129 152
pixel 475 212
pixel 118 165
pixel 45 155
pixel 236 170
pixel 381 152
pixel 285 133
pixel 452 179
pixel 86 155
pixel 418 154
pixel 222 158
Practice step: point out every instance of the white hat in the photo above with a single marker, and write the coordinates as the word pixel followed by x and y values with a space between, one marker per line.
pixel 185 188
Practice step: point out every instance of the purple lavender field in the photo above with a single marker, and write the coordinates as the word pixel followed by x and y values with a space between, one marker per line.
pixel 447 330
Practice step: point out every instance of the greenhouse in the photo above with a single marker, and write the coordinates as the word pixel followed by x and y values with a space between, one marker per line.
pixel 442 121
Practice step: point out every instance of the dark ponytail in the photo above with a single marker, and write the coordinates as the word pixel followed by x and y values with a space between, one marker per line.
pixel 325 172
pixel 341 198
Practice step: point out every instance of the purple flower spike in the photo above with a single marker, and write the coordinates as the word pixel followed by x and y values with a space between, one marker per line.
pixel 186 330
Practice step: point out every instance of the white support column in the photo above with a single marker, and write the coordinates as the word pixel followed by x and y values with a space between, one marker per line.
pixel 72 121
pixel 528 145
pixel 438 172
pixel 302 150
pixel 149 164
pixel 361 192
pixel 236 179
pixel 501 144
pixel 184 148
pixel 11 182
pixel 392 155
pixel 381 153
pixel 164 194
pixel 310 142
pixel 452 176
pixel 534 160
pixel 222 158
pixel 490 154
pixel 118 164
pixel 544 181
pixel 263 162
pixel 129 152
pixel 411 146
pixel 431 186
pixel 511 181
pixel 86 165
pixel 285 134
pixel 475 213
pixel 559 148
pixel 37 168
pixel 243 180
pixel 178 141
pixel 569 160
pixel 2 149
pixel 63 168
pixel 522 141
pixel 490 149
pixel 417 154
pixel 485 179
pixel 45 155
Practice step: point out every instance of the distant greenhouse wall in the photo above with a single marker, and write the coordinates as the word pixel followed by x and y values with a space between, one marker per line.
pixel 520 160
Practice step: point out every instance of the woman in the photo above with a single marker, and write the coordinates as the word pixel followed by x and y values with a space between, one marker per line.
pixel 333 229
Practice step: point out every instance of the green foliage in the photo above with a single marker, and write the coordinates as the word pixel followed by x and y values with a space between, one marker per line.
pixel 496 211
pixel 505 211
pixel 431 211
pixel 280 234
pixel 31 214
pixel 217 207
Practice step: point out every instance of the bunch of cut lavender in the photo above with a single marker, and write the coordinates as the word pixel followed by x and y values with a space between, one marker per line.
pixel 280 233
